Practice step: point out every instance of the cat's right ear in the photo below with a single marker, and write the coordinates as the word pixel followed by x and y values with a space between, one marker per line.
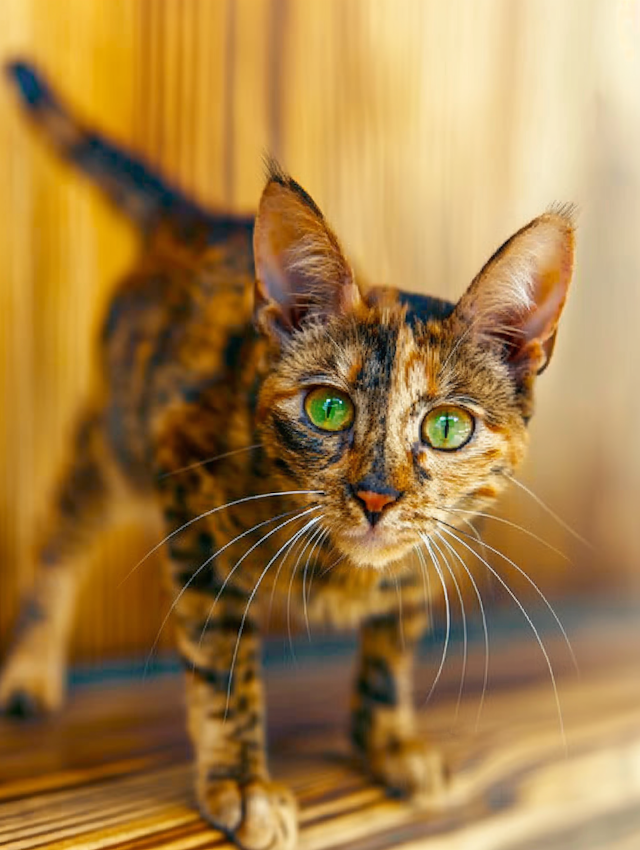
pixel 301 271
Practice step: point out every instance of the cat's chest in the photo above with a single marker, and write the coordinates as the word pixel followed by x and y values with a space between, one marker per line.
pixel 288 579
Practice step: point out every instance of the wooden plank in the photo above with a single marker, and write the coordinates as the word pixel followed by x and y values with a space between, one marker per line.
pixel 113 771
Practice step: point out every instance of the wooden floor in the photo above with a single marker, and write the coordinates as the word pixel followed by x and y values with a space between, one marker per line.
pixel 113 770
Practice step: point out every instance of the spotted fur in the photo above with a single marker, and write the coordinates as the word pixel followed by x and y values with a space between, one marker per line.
pixel 208 350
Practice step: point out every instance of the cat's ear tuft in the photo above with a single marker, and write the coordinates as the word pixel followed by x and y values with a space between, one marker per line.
pixel 516 300
pixel 301 272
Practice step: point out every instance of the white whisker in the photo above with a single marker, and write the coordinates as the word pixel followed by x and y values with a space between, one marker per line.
pixel 243 557
pixel 485 680
pixel 202 566
pixel 529 621
pixel 215 511
pixel 400 616
pixel 278 571
pixel 323 533
pixel 508 522
pixel 465 642
pixel 427 543
pixel 286 545
pixel 208 460
pixel 476 534
pixel 426 588
pixel 323 538
pixel 460 339
pixel 549 511
pixel 333 564
pixel 537 590
pixel 426 578
pixel 291 579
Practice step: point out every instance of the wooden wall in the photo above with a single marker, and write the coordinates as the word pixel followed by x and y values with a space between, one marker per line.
pixel 427 130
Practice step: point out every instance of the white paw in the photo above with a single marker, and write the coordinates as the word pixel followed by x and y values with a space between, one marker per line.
pixel 256 816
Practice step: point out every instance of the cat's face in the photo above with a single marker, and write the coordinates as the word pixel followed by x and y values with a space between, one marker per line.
pixel 405 421
pixel 430 426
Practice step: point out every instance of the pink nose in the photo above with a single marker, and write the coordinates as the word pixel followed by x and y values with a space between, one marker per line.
pixel 375 502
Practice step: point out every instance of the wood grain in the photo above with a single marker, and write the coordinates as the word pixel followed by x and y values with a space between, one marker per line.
pixel 428 131
pixel 113 771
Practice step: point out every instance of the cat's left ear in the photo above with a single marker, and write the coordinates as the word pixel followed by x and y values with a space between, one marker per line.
pixel 516 301
pixel 301 272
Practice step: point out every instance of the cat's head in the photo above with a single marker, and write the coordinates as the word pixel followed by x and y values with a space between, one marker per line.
pixel 404 411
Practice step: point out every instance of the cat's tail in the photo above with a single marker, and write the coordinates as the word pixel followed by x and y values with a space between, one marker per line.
pixel 127 181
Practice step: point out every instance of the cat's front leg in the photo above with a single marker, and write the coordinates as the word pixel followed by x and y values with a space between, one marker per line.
pixel 226 718
pixel 219 644
pixel 33 680
pixel 383 727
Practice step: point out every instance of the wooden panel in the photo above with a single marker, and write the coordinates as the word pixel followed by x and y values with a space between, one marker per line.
pixel 427 131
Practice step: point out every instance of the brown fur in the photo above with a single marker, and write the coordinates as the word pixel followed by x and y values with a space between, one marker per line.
pixel 209 348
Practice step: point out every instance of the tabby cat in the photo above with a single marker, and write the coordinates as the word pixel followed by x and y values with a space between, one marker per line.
pixel 352 428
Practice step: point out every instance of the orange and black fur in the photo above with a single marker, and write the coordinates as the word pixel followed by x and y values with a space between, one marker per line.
pixel 354 427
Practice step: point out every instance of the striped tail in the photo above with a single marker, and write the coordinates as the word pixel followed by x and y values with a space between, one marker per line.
pixel 128 182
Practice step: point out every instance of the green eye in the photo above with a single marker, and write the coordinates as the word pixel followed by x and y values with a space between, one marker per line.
pixel 447 428
pixel 329 409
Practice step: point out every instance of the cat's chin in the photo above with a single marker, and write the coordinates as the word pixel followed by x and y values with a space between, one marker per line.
pixel 373 547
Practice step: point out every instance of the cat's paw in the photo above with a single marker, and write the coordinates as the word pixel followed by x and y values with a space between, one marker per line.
pixel 32 686
pixel 257 816
pixel 411 769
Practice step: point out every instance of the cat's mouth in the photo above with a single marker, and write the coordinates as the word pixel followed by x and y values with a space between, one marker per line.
pixel 374 546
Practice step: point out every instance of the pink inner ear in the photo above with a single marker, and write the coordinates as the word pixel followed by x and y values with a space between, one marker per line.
pixel 552 266
pixel 519 295
pixel 549 295
pixel 547 247
pixel 272 240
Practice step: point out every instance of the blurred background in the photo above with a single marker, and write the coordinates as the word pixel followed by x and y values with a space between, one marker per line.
pixel 428 132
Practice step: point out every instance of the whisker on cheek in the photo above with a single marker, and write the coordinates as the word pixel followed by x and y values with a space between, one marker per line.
pixel 197 572
pixel 242 558
pixel 213 511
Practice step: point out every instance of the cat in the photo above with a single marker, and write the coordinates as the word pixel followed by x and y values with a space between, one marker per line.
pixel 289 423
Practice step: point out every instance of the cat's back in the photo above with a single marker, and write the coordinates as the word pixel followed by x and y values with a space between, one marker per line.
pixel 178 326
